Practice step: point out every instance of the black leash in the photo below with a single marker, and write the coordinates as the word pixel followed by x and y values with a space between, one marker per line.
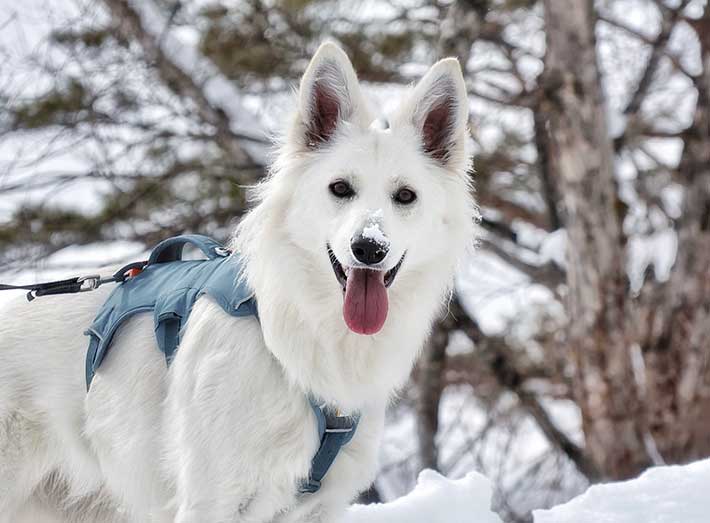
pixel 76 284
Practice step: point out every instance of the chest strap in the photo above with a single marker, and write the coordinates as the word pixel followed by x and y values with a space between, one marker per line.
pixel 334 433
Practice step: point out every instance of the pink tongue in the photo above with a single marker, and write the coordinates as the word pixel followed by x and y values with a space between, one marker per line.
pixel 365 307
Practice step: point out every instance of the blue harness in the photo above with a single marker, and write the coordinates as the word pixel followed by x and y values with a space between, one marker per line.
pixel 169 287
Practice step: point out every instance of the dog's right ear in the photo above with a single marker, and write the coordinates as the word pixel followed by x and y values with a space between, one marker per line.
pixel 329 95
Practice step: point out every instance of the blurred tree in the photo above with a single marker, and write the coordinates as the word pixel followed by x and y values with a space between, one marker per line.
pixel 591 127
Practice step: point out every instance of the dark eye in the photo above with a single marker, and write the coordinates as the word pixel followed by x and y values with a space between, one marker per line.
pixel 405 196
pixel 341 189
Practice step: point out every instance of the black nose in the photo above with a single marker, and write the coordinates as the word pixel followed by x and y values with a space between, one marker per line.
pixel 367 250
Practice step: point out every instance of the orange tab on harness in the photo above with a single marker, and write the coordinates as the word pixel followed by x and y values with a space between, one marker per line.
pixel 131 273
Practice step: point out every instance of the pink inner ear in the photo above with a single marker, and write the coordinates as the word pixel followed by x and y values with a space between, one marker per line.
pixel 437 129
pixel 324 116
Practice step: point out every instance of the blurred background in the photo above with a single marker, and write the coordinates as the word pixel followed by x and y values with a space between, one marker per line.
pixel 577 346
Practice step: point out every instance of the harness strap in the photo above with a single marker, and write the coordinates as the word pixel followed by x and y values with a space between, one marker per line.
pixel 334 432
pixel 167 334
pixel 168 326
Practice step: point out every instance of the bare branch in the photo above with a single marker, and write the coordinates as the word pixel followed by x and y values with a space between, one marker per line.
pixel 502 364
pixel 131 26
pixel 548 274
pixel 658 47
pixel 674 59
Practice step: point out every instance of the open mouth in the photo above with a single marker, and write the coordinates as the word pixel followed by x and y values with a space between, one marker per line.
pixel 342 274
pixel 365 303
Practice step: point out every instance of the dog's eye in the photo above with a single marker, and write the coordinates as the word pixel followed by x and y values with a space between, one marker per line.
pixel 341 189
pixel 405 196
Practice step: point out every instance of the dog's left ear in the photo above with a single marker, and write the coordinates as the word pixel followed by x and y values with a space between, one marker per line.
pixel 329 95
pixel 438 110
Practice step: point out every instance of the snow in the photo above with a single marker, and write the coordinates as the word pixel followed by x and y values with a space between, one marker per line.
pixel 554 248
pixel 373 232
pixel 675 494
pixel 435 499
pixel 657 249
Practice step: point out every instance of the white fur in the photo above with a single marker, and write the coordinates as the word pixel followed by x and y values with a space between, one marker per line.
pixel 226 432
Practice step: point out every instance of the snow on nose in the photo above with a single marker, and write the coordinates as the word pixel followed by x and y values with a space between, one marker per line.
pixel 375 234
pixel 373 229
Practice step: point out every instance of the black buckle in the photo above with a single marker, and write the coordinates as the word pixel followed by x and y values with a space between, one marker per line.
pixel 309 486
pixel 339 424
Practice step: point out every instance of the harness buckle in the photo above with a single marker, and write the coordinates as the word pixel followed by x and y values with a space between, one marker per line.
pixel 339 429
pixel 89 283
pixel 309 486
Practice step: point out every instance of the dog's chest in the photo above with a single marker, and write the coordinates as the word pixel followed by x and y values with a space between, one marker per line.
pixel 231 399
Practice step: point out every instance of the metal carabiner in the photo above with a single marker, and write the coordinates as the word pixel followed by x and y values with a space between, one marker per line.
pixel 89 283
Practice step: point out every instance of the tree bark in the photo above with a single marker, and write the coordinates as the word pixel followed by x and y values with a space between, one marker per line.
pixel 459 29
pixel 676 346
pixel 604 385
pixel 430 386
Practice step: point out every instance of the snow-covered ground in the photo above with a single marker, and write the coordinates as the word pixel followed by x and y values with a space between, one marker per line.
pixel 675 494
pixel 435 499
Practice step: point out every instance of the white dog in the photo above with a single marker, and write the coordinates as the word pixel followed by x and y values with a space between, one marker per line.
pixel 350 251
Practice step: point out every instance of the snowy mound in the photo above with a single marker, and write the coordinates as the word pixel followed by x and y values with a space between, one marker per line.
pixel 677 494
pixel 435 499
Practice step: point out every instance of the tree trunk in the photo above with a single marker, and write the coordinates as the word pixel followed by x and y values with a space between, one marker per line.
pixel 598 336
pixel 677 344
pixel 430 382
pixel 459 29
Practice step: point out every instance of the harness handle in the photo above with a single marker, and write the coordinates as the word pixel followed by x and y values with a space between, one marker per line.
pixel 171 249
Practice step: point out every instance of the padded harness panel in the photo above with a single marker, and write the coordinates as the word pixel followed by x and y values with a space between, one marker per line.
pixel 169 288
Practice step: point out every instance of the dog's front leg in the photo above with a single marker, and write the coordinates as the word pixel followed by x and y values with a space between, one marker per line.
pixel 239 438
pixel 226 485
pixel 232 494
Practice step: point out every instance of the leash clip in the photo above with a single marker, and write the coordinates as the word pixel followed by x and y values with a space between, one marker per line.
pixel 89 283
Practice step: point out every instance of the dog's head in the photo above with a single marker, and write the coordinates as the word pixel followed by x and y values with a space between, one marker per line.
pixel 368 207
pixel 378 199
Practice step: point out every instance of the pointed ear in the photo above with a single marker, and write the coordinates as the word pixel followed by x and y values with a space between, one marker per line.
pixel 438 110
pixel 329 95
